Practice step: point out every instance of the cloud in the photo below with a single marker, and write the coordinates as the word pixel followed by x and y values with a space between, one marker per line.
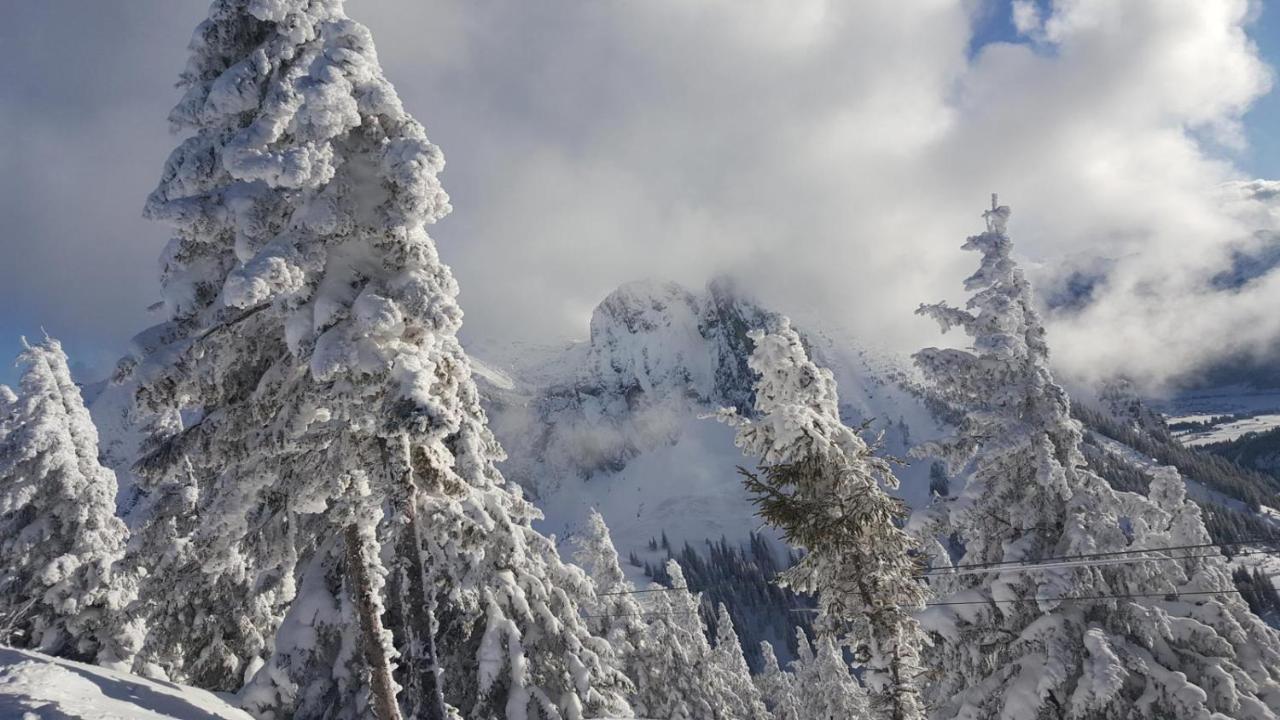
pixel 832 154
pixel 84 94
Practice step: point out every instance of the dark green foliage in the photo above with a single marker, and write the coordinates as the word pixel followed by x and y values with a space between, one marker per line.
pixel 939 483
pixel 1257 589
pixel 1228 525
pixel 1124 476
pixel 1255 450
pixel 1203 425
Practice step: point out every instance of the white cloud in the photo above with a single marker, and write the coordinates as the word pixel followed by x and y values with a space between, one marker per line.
pixel 833 153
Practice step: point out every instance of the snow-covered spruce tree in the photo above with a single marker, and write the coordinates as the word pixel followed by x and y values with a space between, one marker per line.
pixel 613 612
pixel 727 655
pixel 824 687
pixel 59 536
pixel 338 451
pixel 820 484
pixel 1214 639
pixel 676 673
pixel 777 687
pixel 8 404
pixel 1073 640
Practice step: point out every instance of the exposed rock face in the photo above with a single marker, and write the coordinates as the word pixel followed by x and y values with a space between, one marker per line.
pixel 658 353
pixel 1119 398
pixel 650 340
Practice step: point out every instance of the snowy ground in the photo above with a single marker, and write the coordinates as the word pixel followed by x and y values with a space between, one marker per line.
pixel 1261 406
pixel 1224 431
pixel 38 687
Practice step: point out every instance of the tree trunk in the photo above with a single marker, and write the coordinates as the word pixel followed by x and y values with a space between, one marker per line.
pixel 883 626
pixel 417 615
pixel 382 688
pixel 416 612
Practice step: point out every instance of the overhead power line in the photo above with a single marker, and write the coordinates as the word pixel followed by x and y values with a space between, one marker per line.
pixel 946 572
pixel 987 601
pixel 1115 553
pixel 1108 558
pixel 1077 598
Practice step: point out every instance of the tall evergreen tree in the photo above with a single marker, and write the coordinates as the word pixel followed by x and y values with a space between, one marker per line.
pixel 825 688
pixel 727 656
pixel 778 687
pixel 820 483
pixel 8 404
pixel 613 612
pixel 339 473
pixel 1073 639
pixel 59 535
pixel 677 676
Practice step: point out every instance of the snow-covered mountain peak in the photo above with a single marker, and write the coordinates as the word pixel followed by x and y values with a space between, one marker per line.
pixel 615 422
pixel 652 339
pixel 645 338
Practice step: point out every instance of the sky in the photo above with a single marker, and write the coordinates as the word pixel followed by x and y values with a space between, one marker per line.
pixel 832 155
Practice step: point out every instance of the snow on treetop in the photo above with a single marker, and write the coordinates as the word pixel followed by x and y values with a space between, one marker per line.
pixel 997 217
pixel 796 400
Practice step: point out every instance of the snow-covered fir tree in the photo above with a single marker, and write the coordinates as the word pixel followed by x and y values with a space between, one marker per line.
pixel 824 686
pixel 1080 639
pixel 8 404
pixel 777 687
pixel 1213 638
pixel 677 675
pixel 338 470
pixel 821 484
pixel 613 612
pixel 727 656
pixel 59 535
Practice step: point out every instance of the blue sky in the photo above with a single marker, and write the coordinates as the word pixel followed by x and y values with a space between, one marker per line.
pixel 994 23
pixel 1262 123
pixel 824 155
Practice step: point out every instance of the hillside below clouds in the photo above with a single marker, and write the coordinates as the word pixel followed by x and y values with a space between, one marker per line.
pixel 617 422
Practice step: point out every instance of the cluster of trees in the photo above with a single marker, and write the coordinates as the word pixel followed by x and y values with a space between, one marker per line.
pixel 743 580
pixel 1202 425
pixel 1216 473
pixel 327 532
pixel 1257 590
pixel 1259 450
pixel 1032 622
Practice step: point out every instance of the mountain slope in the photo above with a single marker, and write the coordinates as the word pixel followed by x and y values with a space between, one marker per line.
pixel 616 422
